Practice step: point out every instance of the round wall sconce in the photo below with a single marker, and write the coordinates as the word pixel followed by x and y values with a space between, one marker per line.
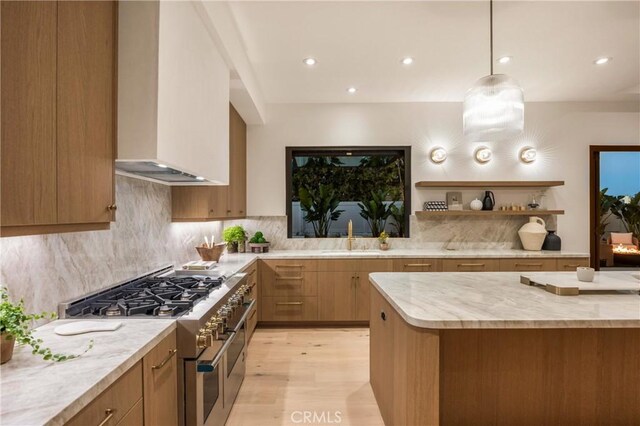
pixel 438 155
pixel 528 154
pixel 483 155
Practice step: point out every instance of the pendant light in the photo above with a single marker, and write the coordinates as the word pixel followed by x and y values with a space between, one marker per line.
pixel 494 106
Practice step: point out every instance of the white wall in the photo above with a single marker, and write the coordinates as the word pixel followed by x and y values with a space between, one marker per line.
pixel 562 133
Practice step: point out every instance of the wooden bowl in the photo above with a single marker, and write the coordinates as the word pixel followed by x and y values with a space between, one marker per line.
pixel 211 254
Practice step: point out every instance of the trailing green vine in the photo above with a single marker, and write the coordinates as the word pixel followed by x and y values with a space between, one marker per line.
pixel 16 324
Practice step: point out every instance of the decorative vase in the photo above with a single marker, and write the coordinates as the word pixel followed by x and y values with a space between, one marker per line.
pixel 232 247
pixel 476 205
pixel 489 201
pixel 384 246
pixel 552 242
pixel 7 343
pixel 532 234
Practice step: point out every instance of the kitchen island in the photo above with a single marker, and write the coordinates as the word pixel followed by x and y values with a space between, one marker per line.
pixel 482 348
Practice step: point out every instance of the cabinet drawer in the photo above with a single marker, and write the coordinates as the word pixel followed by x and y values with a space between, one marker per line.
pixel 417 265
pixel 160 374
pixel 289 308
pixel 571 263
pixel 339 265
pixel 289 266
pixel 135 416
pixel 116 401
pixel 522 265
pixel 470 265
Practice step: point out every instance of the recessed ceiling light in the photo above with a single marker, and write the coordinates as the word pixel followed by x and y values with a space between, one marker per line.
pixel 438 155
pixel 528 154
pixel 352 90
pixel 602 61
pixel 199 178
pixel 504 59
pixel 164 166
pixel 483 155
pixel 310 61
pixel 407 61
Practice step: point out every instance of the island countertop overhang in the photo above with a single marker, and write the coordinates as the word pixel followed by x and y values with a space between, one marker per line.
pixel 497 300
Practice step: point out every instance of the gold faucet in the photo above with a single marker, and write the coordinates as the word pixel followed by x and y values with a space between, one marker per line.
pixel 350 235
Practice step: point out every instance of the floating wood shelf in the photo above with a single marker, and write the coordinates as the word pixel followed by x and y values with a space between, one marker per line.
pixel 490 184
pixel 428 214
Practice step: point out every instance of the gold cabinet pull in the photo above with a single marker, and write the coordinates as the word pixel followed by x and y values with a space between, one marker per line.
pixel 289 303
pixel 289 266
pixel 416 265
pixel 289 278
pixel 529 264
pixel 109 413
pixel 571 265
pixel 470 264
pixel 172 352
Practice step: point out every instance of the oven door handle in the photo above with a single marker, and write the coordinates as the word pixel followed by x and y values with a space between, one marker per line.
pixel 209 366
pixel 243 319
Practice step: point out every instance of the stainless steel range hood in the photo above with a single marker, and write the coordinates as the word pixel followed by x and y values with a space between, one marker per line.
pixel 157 172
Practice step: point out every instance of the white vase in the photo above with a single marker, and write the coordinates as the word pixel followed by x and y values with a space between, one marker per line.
pixel 476 205
pixel 532 234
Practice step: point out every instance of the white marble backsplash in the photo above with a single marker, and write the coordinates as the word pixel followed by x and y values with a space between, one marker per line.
pixel 499 232
pixel 47 269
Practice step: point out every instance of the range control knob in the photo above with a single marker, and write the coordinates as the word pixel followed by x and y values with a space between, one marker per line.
pixel 204 338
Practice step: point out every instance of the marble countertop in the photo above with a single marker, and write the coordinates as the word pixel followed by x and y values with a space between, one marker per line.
pixel 38 392
pixel 399 253
pixel 497 300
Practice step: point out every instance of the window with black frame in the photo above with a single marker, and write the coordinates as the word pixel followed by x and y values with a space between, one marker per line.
pixel 328 187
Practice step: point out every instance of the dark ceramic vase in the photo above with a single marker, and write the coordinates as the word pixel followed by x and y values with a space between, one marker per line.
pixel 552 242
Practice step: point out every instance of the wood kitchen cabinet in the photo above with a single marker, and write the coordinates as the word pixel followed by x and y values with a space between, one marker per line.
pixel 58 116
pixel 470 265
pixel 571 263
pixel 527 265
pixel 160 379
pixel 147 394
pixel 252 282
pixel 288 290
pixel 204 203
pixel 417 265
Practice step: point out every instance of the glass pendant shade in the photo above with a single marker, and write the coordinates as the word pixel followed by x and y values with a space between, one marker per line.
pixel 493 109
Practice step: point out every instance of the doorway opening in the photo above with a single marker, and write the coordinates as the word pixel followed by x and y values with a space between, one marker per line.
pixel 615 206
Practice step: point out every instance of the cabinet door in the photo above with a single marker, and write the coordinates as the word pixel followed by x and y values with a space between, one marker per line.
pixel 363 285
pixel 526 265
pixel 381 355
pixel 237 165
pixel 86 93
pixel 337 296
pixel 28 110
pixel 189 202
pixel 160 376
pixel 470 265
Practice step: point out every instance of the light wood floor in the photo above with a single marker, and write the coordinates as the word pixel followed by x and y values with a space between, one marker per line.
pixel 290 371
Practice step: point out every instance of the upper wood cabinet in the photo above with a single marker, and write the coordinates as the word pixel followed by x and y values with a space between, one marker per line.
pixel 203 203
pixel 58 116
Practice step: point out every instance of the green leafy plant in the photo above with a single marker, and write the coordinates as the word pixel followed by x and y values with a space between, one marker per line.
pixel 628 212
pixel 397 213
pixel 234 234
pixel 376 212
pixel 382 238
pixel 320 208
pixel 258 238
pixel 16 324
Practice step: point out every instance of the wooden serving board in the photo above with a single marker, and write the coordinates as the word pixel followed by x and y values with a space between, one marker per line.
pixel 567 284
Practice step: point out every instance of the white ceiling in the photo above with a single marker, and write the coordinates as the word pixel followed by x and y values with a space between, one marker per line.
pixel 553 45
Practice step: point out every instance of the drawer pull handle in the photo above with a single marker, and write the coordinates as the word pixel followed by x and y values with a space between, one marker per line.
pixel 383 316
pixel 289 278
pixel 470 264
pixel 172 352
pixel 289 303
pixel 571 265
pixel 416 265
pixel 109 413
pixel 529 264
pixel 289 266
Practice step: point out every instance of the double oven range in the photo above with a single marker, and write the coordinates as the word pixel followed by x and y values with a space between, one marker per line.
pixel 211 311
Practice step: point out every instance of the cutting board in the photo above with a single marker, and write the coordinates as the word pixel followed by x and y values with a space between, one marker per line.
pixel 80 327
pixel 567 284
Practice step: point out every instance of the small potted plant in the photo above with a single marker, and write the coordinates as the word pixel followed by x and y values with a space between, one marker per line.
pixel 382 239
pixel 234 236
pixel 258 244
pixel 15 326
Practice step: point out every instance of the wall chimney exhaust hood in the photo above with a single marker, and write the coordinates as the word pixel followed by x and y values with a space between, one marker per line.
pixel 173 95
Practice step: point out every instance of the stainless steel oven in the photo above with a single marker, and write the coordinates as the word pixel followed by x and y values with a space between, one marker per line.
pixel 213 380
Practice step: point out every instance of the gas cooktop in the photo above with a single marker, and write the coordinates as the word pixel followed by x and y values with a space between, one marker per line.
pixel 156 295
